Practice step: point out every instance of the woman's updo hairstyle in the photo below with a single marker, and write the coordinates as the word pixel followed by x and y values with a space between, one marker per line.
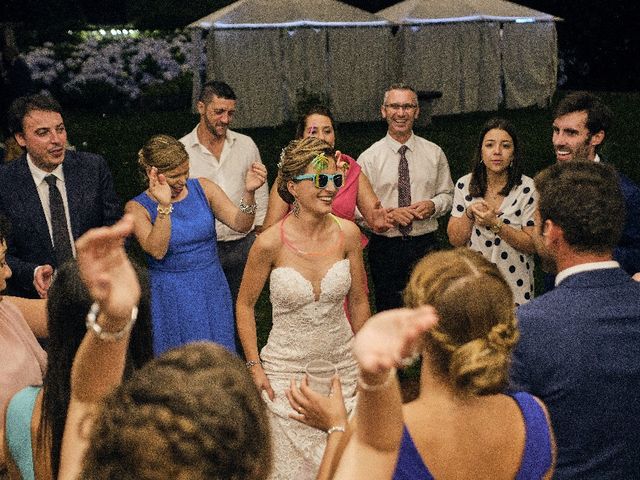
pixel 295 159
pixel 163 152
pixel 470 346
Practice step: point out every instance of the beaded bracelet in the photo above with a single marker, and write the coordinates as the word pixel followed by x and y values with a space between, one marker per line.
pixel 337 428
pixel 380 386
pixel 164 211
pixel 93 325
pixel 252 363
pixel 246 208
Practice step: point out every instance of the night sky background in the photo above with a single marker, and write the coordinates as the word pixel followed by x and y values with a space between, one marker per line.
pixel 598 39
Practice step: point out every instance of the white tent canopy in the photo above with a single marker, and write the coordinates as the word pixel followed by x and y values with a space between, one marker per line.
pixel 436 11
pixel 274 52
pixel 476 52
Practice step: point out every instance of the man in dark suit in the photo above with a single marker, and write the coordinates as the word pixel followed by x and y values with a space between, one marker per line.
pixel 579 349
pixel 50 195
pixel 580 125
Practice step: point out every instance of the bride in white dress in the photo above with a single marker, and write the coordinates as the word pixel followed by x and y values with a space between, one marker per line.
pixel 313 260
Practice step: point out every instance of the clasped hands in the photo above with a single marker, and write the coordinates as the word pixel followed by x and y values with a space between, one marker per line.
pixel 416 211
pixel 483 214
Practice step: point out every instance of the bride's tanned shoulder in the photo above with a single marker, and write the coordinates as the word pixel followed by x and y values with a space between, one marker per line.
pixel 269 239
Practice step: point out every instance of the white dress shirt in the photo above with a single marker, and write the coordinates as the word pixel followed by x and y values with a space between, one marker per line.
pixel 43 192
pixel 428 173
pixel 228 172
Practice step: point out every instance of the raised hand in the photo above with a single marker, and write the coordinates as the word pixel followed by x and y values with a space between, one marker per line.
pixel 106 270
pixel 256 176
pixel 340 164
pixel 484 215
pixel 159 189
pixel 389 337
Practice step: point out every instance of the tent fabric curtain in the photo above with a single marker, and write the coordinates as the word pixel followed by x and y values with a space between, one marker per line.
pixel 272 70
pixel 305 64
pixel 249 61
pixel 462 60
pixel 530 63
pixel 359 71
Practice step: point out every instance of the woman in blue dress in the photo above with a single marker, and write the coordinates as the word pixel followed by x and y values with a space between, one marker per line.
pixel 175 225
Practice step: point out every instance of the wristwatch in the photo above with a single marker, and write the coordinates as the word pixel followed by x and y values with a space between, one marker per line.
pixel 251 363
pixel 496 227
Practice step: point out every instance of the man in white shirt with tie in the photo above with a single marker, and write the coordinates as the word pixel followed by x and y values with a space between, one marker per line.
pixel 223 156
pixel 412 174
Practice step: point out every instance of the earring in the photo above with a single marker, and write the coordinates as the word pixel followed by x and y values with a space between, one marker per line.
pixel 296 208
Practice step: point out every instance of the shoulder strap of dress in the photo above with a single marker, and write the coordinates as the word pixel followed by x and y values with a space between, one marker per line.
pixel 18 430
pixel 536 458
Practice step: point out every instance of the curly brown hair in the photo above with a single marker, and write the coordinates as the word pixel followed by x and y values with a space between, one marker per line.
pixel 295 159
pixel 193 413
pixel 471 345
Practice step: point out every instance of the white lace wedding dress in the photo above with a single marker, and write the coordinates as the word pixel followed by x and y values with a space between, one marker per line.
pixel 305 329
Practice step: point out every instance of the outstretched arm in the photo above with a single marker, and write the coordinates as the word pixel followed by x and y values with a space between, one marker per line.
pixel 378 218
pixel 99 362
pixel 382 344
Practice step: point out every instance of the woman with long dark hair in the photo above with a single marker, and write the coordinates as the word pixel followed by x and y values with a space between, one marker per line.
pixel 42 410
pixel 494 205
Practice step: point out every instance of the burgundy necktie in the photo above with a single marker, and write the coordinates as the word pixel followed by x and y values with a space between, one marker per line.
pixel 59 229
pixel 404 186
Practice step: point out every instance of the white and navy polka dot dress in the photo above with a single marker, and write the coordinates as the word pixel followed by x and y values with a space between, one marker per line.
pixel 517 212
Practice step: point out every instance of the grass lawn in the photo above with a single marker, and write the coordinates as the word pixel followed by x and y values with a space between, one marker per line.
pixel 119 137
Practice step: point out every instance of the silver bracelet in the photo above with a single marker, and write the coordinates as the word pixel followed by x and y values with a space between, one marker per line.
pixel 93 325
pixel 248 209
pixel 337 428
pixel 380 386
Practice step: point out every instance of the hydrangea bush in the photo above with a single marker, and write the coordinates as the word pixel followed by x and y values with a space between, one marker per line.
pixel 116 72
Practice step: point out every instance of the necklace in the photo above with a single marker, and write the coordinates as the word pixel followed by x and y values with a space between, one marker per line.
pixel 303 252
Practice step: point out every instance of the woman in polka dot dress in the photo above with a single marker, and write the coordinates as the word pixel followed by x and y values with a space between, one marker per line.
pixel 494 205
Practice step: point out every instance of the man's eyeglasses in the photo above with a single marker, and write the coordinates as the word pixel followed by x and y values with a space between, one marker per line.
pixel 401 106
pixel 321 180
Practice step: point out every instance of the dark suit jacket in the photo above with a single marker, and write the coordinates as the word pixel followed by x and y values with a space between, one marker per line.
pixel 92 203
pixel 628 250
pixel 579 352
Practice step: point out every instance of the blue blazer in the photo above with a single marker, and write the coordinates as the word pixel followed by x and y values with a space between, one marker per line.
pixel 579 352
pixel 627 253
pixel 92 203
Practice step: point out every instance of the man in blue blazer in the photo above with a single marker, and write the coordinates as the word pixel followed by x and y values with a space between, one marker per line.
pixel 581 121
pixel 579 349
pixel 84 196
